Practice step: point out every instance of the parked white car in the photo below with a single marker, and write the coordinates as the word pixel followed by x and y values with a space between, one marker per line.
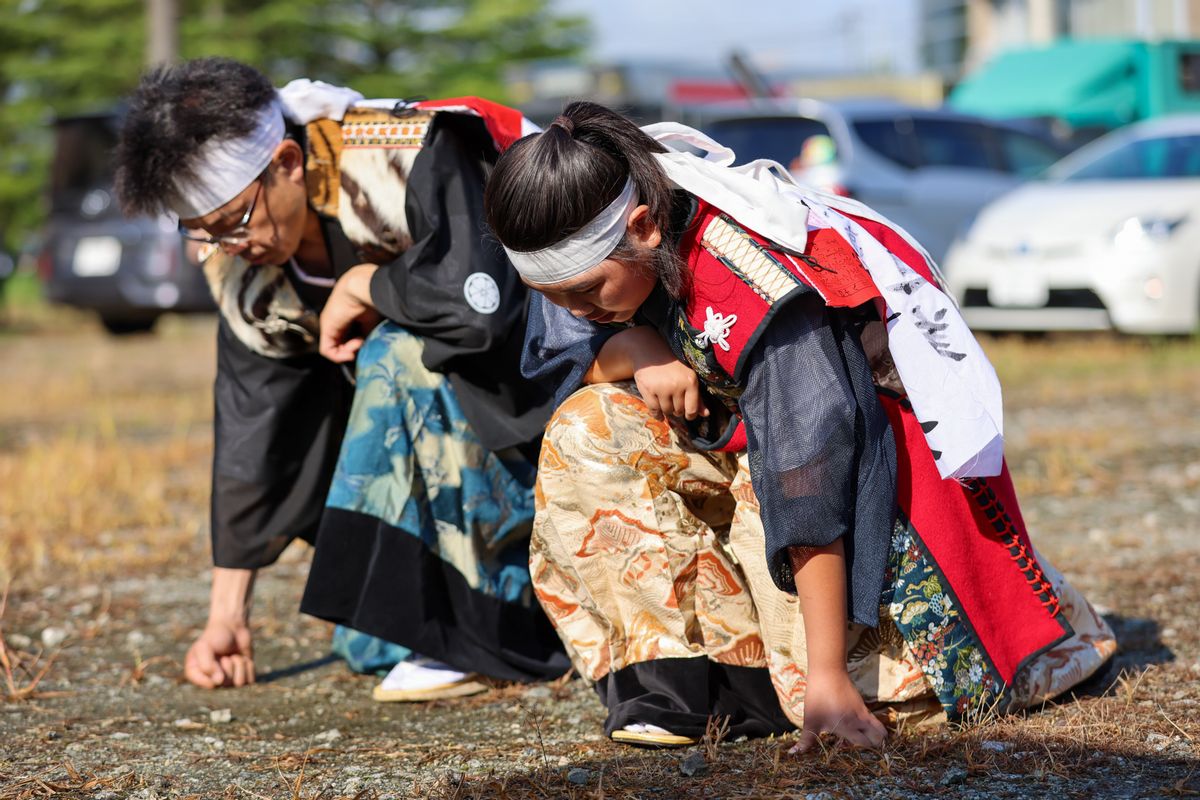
pixel 1108 238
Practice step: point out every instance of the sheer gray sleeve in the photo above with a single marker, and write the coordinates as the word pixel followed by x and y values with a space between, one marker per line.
pixel 822 457
pixel 559 347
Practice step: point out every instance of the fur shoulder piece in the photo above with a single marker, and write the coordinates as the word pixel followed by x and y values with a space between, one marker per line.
pixel 357 171
pixel 261 306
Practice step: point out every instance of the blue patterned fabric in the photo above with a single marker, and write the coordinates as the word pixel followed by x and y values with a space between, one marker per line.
pixel 366 654
pixel 411 460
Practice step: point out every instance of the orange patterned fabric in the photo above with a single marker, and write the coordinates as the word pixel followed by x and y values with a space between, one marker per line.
pixel 644 548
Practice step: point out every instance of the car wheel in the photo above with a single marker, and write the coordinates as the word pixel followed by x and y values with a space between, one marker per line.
pixel 124 327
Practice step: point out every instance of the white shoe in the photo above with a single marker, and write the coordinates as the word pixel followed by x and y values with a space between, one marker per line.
pixel 418 678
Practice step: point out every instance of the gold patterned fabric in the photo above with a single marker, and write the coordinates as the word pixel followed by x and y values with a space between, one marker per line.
pixel 645 549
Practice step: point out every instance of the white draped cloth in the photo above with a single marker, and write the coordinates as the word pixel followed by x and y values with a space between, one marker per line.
pixel 951 384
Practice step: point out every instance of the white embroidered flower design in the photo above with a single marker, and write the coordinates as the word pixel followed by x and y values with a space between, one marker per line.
pixel 716 328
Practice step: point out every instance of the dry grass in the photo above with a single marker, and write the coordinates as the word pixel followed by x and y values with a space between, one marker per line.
pixel 65 781
pixel 104 459
pixel 1076 743
pixel 1061 369
pixel 104 464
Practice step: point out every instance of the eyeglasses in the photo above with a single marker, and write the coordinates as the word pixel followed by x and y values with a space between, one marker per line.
pixel 238 235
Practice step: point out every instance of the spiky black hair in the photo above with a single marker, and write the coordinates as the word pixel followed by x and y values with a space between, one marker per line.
pixel 172 113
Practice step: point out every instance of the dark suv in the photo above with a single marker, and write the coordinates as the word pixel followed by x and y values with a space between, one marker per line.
pixel 129 270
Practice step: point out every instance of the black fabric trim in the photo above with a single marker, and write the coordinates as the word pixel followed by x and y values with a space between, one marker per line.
pixel 1006 533
pixel 739 369
pixel 700 442
pixel 382 581
pixel 681 694
pixel 1004 697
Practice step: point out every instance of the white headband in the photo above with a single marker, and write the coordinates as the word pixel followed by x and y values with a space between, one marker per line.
pixel 225 167
pixel 583 249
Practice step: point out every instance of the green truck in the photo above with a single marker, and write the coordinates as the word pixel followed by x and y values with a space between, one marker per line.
pixel 1088 85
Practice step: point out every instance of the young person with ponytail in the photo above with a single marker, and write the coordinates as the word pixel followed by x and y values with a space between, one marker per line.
pixel 774 488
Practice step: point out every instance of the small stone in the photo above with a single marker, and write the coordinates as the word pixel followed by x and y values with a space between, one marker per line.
pixel 563 761
pixel 105 794
pixel 538 692
pixel 53 637
pixel 579 776
pixel 19 641
pixel 186 724
pixel 954 776
pixel 119 735
pixel 994 747
pixel 220 716
pixel 1158 741
pixel 693 765
pixel 81 609
pixel 53 736
pixel 331 735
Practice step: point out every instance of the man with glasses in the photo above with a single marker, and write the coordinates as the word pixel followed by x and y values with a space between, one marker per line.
pixel 238 235
pixel 321 214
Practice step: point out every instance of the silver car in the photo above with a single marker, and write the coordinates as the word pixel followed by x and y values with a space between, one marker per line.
pixel 928 170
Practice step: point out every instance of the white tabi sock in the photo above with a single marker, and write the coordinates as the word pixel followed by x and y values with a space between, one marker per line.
pixel 418 672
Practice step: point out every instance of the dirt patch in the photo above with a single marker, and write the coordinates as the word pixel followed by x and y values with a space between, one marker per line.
pixel 109 582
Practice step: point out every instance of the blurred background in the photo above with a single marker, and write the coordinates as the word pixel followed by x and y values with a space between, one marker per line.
pixel 1046 152
pixel 927 110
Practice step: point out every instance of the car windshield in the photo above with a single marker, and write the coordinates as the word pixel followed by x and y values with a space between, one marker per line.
pixel 1134 159
pixel 777 138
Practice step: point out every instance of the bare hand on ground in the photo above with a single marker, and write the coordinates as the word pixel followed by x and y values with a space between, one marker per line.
pixel 833 705
pixel 223 655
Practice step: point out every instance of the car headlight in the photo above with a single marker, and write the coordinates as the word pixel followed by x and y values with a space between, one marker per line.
pixel 1138 233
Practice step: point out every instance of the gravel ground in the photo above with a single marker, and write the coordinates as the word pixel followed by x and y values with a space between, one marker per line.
pixel 1102 434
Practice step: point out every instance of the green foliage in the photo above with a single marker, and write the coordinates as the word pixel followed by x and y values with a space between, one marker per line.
pixel 72 56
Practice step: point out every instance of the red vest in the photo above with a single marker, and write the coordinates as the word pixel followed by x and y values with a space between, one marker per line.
pixel 742 278
pixel 971 531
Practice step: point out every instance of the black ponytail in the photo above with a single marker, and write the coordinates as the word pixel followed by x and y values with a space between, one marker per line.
pixel 548 186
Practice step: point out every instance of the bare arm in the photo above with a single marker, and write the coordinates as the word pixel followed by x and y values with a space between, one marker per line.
pixel 832 704
pixel 667 385
pixel 349 315
pixel 223 654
